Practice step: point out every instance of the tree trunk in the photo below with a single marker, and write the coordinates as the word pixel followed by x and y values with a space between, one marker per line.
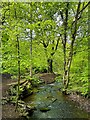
pixel 18 89
pixel 31 54
pixel 31 43
pixel 65 71
pixel 64 44
pixel 50 66
pixel 68 64
pixel 18 68
pixel 18 60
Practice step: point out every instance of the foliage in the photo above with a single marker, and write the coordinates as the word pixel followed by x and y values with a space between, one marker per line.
pixel 44 24
pixel 79 70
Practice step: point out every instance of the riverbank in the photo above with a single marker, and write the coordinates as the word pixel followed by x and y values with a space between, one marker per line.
pixel 83 103
pixel 8 110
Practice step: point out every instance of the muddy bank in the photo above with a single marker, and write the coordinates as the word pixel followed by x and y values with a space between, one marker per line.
pixel 83 103
pixel 8 111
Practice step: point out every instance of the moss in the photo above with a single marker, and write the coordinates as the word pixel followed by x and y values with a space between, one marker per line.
pixel 44 109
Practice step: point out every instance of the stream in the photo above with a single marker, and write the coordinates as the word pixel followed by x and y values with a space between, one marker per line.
pixel 51 103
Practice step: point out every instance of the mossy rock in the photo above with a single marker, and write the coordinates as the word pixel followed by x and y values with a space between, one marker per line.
pixel 44 109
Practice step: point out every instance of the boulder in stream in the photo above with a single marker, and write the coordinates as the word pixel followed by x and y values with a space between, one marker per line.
pixel 44 109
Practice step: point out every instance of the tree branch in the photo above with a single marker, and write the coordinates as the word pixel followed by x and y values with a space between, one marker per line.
pixel 55 47
pixel 57 44
pixel 44 44
pixel 66 24
pixel 76 19
pixel 61 13
pixel 80 12
pixel 73 37
pixel 84 8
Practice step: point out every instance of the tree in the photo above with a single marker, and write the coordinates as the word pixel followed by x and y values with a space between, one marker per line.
pixel 72 28
pixel 39 34
pixel 47 33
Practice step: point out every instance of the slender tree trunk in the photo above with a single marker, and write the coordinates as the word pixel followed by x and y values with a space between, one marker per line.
pixel 72 45
pixel 64 44
pixel 18 88
pixel 50 66
pixel 68 64
pixel 31 54
pixel 31 43
pixel 18 67
pixel 18 60
pixel 68 71
pixel 49 62
pixel 65 71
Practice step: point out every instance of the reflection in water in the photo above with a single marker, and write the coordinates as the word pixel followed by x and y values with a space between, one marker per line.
pixel 49 97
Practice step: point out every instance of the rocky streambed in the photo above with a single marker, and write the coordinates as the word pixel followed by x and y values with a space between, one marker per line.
pixel 47 101
pixel 51 103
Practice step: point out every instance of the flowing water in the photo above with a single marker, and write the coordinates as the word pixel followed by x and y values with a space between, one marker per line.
pixel 57 105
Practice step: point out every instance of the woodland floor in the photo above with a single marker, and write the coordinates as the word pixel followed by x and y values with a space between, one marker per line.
pixel 8 110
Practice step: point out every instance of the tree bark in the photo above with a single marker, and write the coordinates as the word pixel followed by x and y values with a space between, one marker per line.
pixel 31 43
pixel 50 66
pixel 18 60
pixel 18 88
pixel 68 64
pixel 18 65
pixel 31 54
pixel 64 44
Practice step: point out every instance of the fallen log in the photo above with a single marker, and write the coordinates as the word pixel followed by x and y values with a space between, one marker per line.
pixel 16 83
pixel 25 89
